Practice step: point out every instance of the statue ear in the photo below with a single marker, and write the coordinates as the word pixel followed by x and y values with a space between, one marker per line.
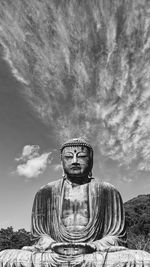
pixel 91 160
pixel 90 174
pixel 64 175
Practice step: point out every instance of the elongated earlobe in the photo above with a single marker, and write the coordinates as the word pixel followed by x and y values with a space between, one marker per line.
pixel 90 174
pixel 64 175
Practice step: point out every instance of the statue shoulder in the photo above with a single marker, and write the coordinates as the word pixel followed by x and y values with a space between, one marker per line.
pixel 49 187
pixel 106 190
pixel 105 185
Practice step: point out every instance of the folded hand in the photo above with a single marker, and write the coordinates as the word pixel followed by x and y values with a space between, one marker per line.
pixel 73 248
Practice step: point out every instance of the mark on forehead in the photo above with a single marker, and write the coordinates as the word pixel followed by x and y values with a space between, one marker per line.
pixel 75 148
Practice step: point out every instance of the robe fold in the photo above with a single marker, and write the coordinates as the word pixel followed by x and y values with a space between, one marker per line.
pixel 105 229
pixel 106 221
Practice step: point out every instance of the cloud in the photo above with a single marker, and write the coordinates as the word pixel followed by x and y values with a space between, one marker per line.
pixel 57 167
pixel 126 179
pixel 7 57
pixel 33 167
pixel 87 70
pixel 29 152
pixel 32 163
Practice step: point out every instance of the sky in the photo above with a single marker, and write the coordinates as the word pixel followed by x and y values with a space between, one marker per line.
pixel 58 82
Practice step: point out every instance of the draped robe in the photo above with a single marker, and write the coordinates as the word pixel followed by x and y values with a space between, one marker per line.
pixel 106 220
pixel 105 229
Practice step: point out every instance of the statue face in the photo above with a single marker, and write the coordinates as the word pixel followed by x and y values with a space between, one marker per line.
pixel 75 161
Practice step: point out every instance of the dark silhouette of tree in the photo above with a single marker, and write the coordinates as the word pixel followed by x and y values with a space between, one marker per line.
pixel 10 239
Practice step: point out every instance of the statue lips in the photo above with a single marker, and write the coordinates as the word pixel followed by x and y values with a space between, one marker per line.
pixel 75 167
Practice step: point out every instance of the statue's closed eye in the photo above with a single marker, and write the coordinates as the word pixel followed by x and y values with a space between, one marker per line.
pixel 68 157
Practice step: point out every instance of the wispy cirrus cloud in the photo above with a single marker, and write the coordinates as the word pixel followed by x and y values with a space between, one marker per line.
pixel 31 164
pixel 87 70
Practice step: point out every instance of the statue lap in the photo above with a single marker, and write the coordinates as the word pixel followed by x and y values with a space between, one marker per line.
pixel 110 258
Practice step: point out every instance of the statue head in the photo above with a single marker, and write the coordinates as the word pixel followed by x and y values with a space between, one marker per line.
pixel 77 159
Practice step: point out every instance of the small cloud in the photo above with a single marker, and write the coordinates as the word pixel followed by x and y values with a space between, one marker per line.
pixel 57 167
pixel 32 163
pixel 126 179
pixel 29 152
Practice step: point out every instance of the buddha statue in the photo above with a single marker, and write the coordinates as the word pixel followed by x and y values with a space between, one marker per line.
pixel 77 220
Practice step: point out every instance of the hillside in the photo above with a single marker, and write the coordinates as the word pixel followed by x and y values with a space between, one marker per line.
pixel 138 222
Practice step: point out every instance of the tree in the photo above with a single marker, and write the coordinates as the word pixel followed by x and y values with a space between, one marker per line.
pixel 140 241
pixel 10 239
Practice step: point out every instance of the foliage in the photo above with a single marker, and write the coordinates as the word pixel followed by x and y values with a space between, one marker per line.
pixel 10 239
pixel 138 222
pixel 139 241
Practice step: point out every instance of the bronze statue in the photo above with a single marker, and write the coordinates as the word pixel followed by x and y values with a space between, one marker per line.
pixel 78 220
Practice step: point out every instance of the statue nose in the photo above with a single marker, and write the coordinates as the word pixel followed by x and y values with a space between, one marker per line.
pixel 75 160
